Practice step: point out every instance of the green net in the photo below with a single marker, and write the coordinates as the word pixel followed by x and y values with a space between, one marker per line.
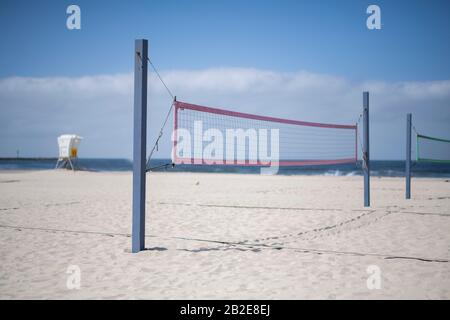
pixel 431 149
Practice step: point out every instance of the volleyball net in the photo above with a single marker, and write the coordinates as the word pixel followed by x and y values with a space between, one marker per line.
pixel 211 136
pixel 431 149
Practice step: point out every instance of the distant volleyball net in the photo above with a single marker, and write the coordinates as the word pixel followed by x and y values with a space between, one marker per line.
pixel 431 149
pixel 211 136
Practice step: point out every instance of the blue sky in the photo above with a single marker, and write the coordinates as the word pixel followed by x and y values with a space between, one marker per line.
pixel 323 38
pixel 320 36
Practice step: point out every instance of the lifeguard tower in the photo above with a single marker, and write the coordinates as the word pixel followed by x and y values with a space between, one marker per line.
pixel 68 150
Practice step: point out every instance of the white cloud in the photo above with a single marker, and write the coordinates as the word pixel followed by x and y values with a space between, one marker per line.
pixel 33 111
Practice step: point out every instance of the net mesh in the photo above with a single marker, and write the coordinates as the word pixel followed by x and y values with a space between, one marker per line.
pixel 204 135
pixel 432 149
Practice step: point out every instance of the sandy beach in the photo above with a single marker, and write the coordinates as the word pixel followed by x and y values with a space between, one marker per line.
pixel 223 236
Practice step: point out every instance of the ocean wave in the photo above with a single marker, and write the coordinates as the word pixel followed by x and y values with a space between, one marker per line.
pixel 378 168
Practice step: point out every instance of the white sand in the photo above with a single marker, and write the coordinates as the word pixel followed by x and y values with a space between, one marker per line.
pixel 299 237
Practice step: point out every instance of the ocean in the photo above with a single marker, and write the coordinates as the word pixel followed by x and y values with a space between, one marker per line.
pixel 378 167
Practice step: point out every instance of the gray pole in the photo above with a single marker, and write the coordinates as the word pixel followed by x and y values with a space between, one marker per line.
pixel 139 144
pixel 408 156
pixel 366 154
